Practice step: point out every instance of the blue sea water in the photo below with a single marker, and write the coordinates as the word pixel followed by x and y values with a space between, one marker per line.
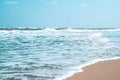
pixel 51 53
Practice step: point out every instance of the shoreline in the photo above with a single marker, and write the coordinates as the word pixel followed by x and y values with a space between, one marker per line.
pixel 95 67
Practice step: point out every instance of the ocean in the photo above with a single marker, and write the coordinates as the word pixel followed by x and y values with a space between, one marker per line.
pixel 54 53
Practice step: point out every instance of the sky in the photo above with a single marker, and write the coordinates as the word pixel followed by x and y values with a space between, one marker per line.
pixel 60 13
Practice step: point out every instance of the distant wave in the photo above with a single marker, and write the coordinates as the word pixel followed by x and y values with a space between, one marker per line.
pixel 74 29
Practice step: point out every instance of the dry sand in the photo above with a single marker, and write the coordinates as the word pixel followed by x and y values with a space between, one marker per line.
pixel 105 70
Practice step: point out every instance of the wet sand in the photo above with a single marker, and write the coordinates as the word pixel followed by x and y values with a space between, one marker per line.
pixel 104 70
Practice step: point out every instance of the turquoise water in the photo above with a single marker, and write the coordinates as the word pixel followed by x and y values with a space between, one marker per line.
pixel 49 53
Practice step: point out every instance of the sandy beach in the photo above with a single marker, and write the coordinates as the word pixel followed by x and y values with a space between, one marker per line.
pixel 104 70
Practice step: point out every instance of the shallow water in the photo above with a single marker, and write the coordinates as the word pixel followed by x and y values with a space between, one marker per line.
pixel 49 53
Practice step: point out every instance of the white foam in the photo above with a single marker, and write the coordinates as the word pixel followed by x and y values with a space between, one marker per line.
pixel 73 30
pixel 78 30
pixel 116 29
pixel 49 29
pixel 107 30
pixel 104 40
pixel 96 34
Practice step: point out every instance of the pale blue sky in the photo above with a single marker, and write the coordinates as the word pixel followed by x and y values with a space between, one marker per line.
pixel 60 13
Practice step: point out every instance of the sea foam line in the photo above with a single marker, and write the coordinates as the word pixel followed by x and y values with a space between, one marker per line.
pixel 79 69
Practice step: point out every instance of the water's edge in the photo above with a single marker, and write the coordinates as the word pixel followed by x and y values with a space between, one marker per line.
pixel 80 68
